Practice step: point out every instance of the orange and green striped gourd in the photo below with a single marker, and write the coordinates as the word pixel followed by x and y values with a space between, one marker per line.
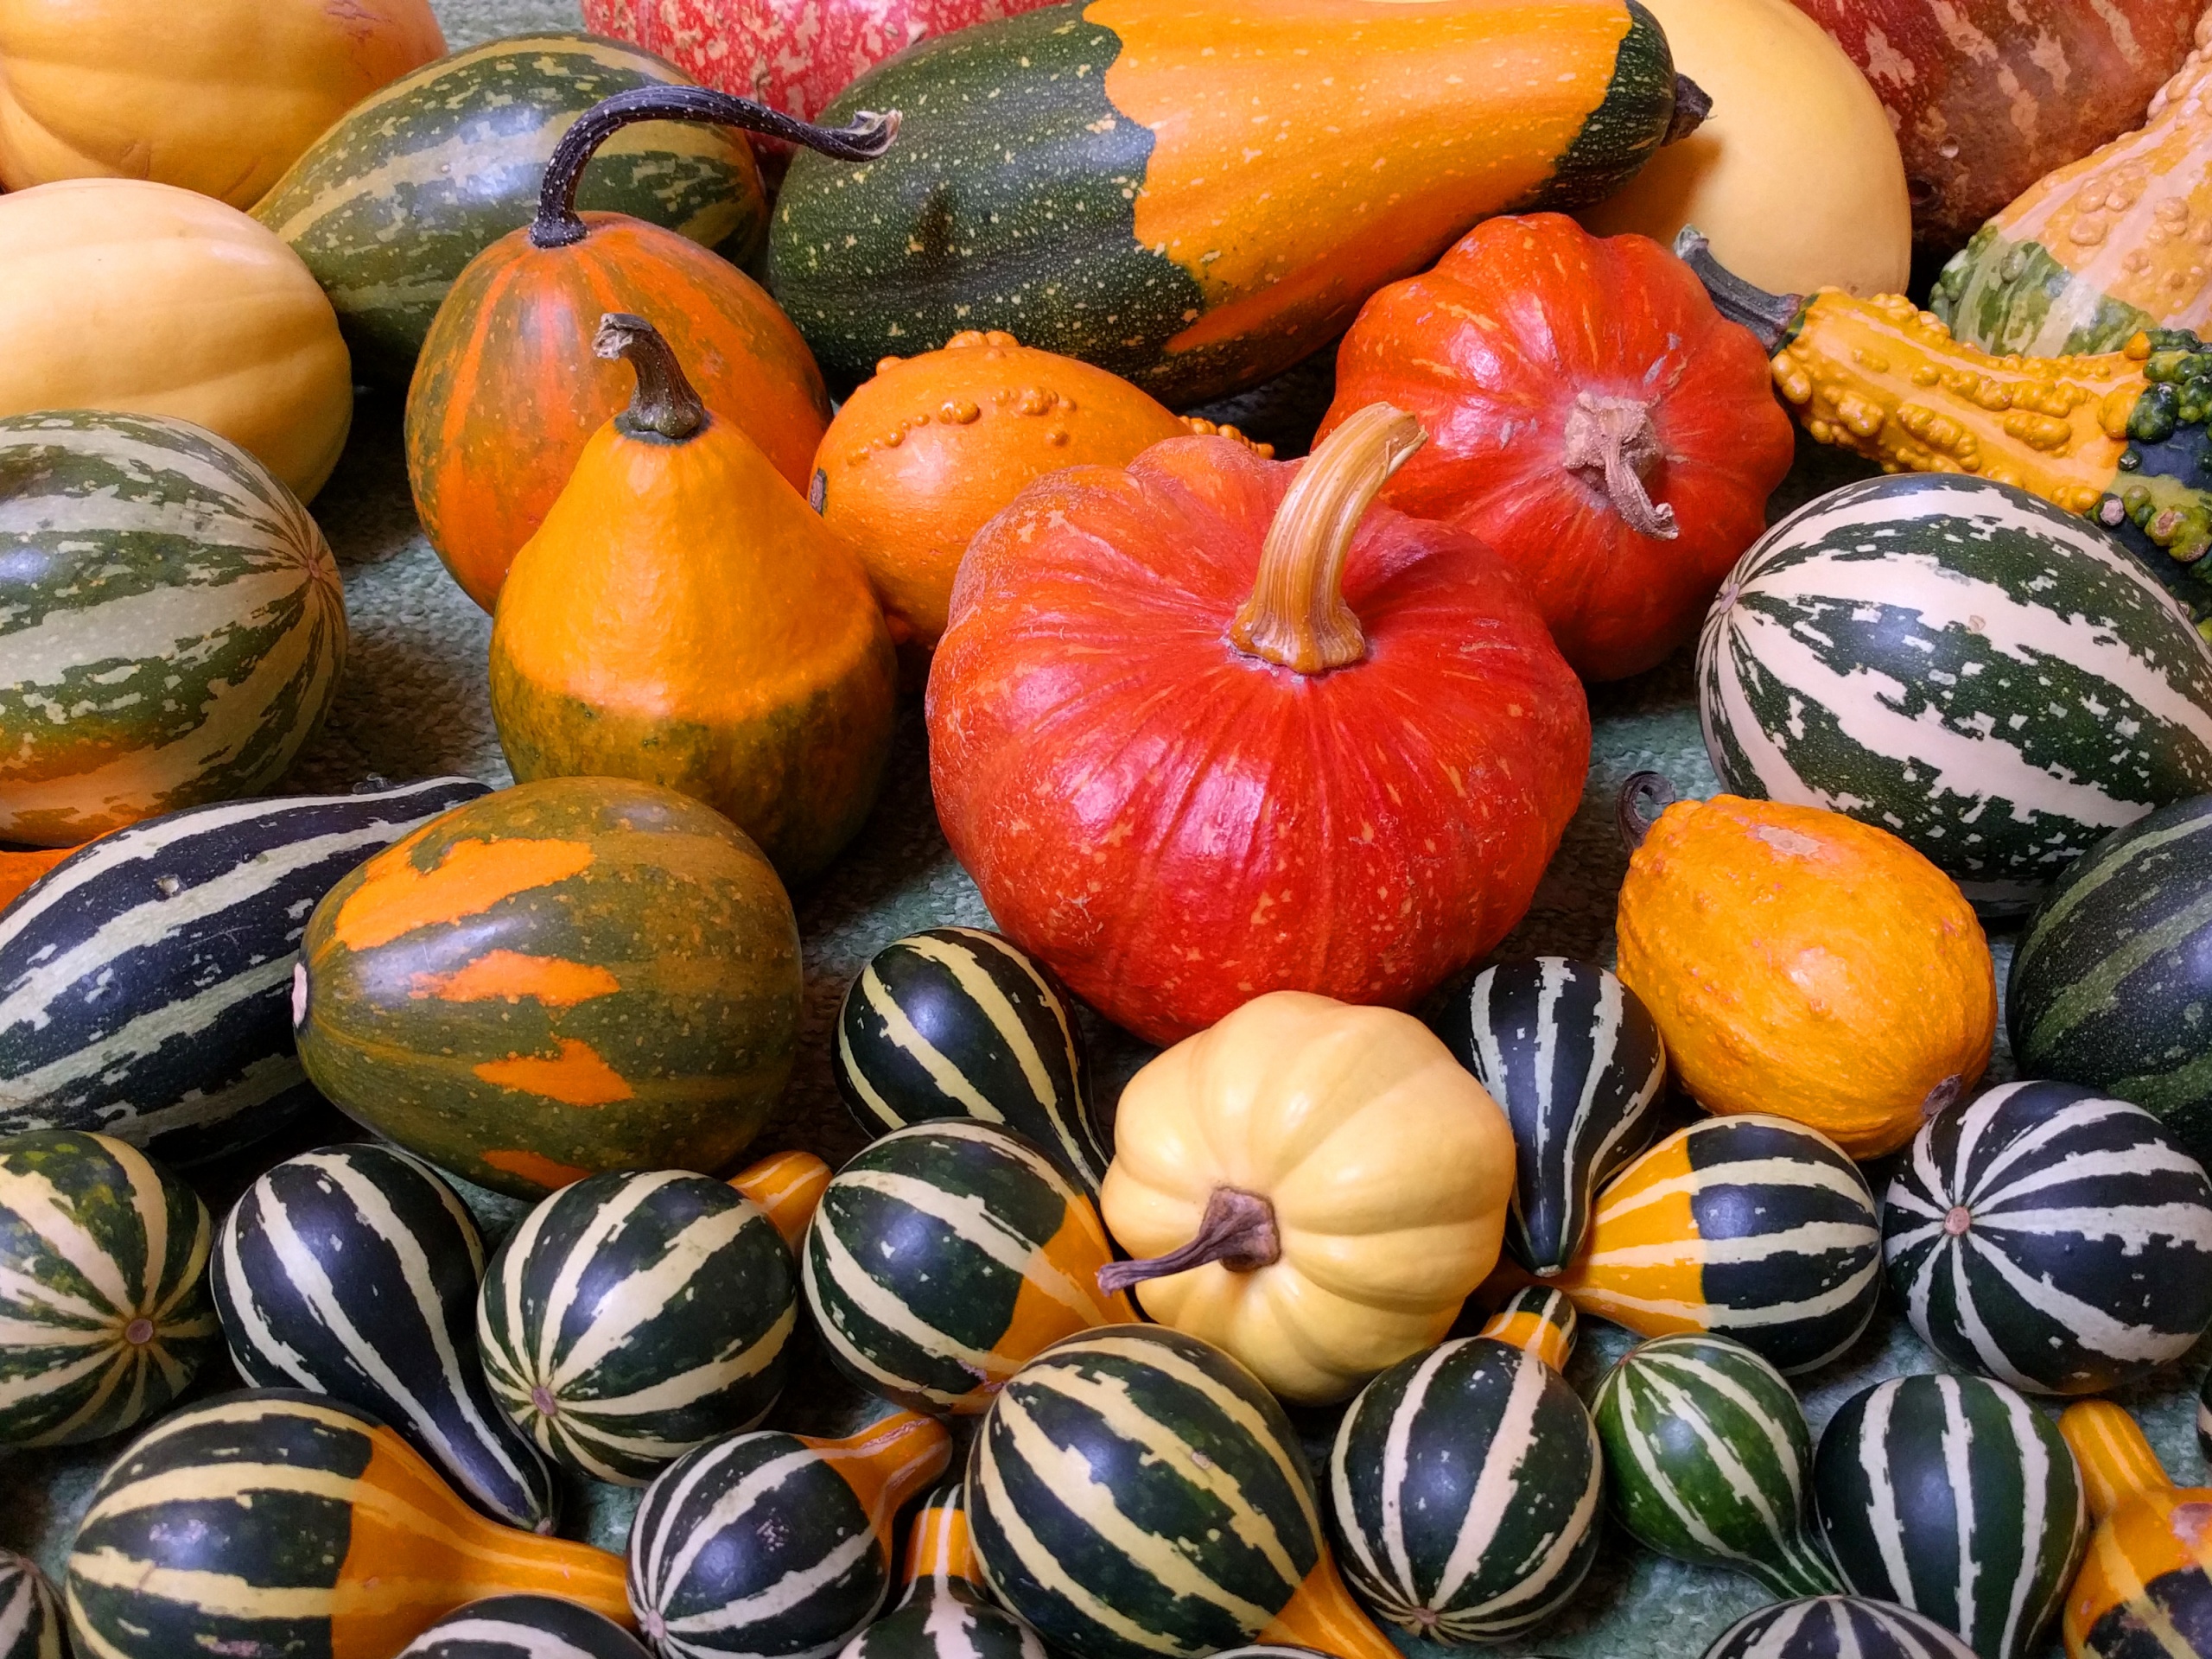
pixel 2144 1588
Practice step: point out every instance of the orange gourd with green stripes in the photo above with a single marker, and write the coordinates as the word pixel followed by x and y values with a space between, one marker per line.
pixel 2144 1589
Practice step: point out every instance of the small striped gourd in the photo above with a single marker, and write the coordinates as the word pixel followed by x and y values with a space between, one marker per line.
pixel 524 1627
pixel 956 1022
pixel 946 1256
pixel 2059 1241
pixel 1956 1498
pixel 145 987
pixel 1464 1483
pixel 30 1614
pixel 1134 1491
pixel 166 591
pixel 945 1613
pixel 1708 1459
pixel 1576 1060
pixel 2145 1591
pixel 1750 1227
pixel 768 1544
pixel 1837 1627
pixel 631 1317
pixel 278 1523
pixel 351 1272
pixel 103 1308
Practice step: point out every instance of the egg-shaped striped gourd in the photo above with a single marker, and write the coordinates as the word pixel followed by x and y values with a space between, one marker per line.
pixel 352 1271
pixel 1577 1061
pixel 945 1612
pixel 31 1613
pixel 1463 1489
pixel 629 1317
pixel 1753 1227
pixel 956 1022
pixel 524 1627
pixel 1708 1459
pixel 104 1310
pixel 146 987
pixel 273 1522
pixel 944 1256
pixel 2053 1239
pixel 1836 1627
pixel 172 628
pixel 1956 1498
pixel 1995 681
pixel 770 1544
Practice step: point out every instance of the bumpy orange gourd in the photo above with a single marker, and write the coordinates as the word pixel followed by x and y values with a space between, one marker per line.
pixel 682 617
pixel 1802 963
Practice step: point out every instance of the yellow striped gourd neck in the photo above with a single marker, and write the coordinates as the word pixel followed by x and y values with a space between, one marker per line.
pixel 1537 1320
pixel 2153 1546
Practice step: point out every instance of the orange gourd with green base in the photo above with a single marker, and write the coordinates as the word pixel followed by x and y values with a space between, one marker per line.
pixel 2145 1585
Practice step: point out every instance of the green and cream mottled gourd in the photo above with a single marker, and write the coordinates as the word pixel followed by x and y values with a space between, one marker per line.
pixel 956 1022
pixel 524 1627
pixel 1837 1627
pixel 1708 1459
pixel 105 1315
pixel 172 628
pixel 31 1613
pixel 945 1612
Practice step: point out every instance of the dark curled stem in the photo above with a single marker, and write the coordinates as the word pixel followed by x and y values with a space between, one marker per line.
pixel 1642 798
pixel 1771 317
pixel 1691 104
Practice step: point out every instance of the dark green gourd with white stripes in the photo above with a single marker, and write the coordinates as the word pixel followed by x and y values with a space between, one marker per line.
pixel 1954 1496
pixel 1837 1627
pixel 31 1613
pixel 524 1627
pixel 945 1612
pixel 1708 1459
pixel 1576 1060
pixel 956 1022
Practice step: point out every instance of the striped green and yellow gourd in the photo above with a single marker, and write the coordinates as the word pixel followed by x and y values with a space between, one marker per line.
pixel 31 1613
pixel 1836 1627
pixel 524 1627
pixel 945 1612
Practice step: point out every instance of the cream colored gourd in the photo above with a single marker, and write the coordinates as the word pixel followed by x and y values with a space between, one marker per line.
pixel 1316 1188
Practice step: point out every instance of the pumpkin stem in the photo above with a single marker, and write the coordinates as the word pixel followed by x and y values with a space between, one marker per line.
pixel 1612 446
pixel 1773 318
pixel 1238 1230
pixel 1642 798
pixel 1296 617
pixel 1691 104
pixel 663 406
pixel 557 225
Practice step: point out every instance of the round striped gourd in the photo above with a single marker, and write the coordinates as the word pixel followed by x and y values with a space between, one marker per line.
pixel 1837 1627
pixel 945 1613
pixel 956 1022
pixel 145 989
pixel 2107 980
pixel 1708 1459
pixel 160 585
pixel 2055 1240
pixel 275 1523
pixel 632 1317
pixel 1750 1227
pixel 776 1544
pixel 1956 1498
pixel 30 1616
pixel 1576 1060
pixel 103 1308
pixel 1993 680
pixel 524 1627
pixel 351 1272
pixel 946 1256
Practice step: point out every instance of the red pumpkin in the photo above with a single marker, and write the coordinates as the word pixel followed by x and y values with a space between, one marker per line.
pixel 1590 416
pixel 1200 732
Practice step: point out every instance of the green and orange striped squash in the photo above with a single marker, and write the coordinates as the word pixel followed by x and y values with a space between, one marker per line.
pixel 566 977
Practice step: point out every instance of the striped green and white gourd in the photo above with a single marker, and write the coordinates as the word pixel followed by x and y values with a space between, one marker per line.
pixel 1577 1061
pixel 352 1271
pixel 31 1615
pixel 1956 1498
pixel 1708 1459
pixel 524 1627
pixel 2057 1241
pixel 1995 681
pixel 1837 1627
pixel 956 1022
pixel 146 981
pixel 944 1256
pixel 631 1317
pixel 945 1612
pixel 172 627
pixel 104 1310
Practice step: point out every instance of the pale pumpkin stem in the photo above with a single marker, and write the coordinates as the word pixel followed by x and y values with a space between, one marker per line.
pixel 557 225
pixel 1772 318
pixel 1693 104
pixel 1642 798
pixel 1238 1230
pixel 664 405
pixel 1612 446
pixel 1296 617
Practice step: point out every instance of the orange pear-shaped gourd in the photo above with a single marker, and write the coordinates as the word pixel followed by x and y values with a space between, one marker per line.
pixel 2147 1577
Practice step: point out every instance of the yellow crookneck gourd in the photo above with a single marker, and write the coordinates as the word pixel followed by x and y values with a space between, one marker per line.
pixel 684 618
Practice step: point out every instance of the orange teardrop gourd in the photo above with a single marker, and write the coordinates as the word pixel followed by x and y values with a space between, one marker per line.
pixel 2148 1563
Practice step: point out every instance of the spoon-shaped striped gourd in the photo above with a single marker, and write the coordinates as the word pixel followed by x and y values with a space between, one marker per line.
pixel 1837 1627
pixel 103 1308
pixel 2148 1569
pixel 30 1616
pixel 524 1627
pixel 1708 1460
pixel 1464 1482
pixel 956 1022
pixel 1753 1227
pixel 776 1544
pixel 1956 1498
pixel 1576 1060
pixel 352 1271
pixel 278 1523
pixel 945 1613
pixel 633 1316
pixel 945 1256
